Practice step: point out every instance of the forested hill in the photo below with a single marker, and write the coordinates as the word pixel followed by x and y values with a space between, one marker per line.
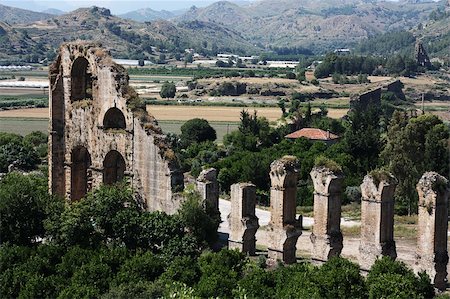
pixel 434 34
pixel 319 25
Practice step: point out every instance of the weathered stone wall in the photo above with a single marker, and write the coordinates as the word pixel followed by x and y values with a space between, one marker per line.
pixel 242 219
pixel 364 100
pixel 284 229
pixel 432 254
pixel 208 187
pixel 377 219
pixel 88 90
pixel 326 236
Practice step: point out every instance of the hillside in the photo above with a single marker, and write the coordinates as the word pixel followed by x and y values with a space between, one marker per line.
pixel 130 39
pixel 13 15
pixel 147 14
pixel 14 43
pixel 321 25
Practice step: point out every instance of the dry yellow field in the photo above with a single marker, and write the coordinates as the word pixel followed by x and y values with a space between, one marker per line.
pixel 182 113
pixel 226 114
pixel 26 113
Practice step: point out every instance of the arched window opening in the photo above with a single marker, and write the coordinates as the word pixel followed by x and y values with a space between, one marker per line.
pixel 114 119
pixel 81 161
pixel 81 80
pixel 113 168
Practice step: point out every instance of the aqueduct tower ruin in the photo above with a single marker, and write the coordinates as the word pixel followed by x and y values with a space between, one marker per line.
pixel 101 133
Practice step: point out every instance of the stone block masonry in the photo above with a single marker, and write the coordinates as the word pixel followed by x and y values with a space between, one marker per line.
pixel 377 219
pixel 100 134
pixel 208 187
pixel 326 236
pixel 284 229
pixel 432 254
pixel 242 219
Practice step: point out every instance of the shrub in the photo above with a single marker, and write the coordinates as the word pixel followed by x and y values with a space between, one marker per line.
pixel 322 161
pixel 393 279
pixel 340 278
pixel 220 273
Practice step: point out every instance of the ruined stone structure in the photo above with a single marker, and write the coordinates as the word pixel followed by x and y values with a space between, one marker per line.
pixel 284 229
pixel 100 133
pixel 367 99
pixel 421 55
pixel 326 236
pixel 208 187
pixel 242 219
pixel 377 219
pixel 373 96
pixel 432 254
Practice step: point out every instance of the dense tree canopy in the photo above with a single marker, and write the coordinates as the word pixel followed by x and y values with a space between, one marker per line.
pixel 414 146
pixel 168 90
pixel 197 130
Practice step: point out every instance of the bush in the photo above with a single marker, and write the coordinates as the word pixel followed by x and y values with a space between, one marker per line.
pixel 220 273
pixel 392 279
pixel 340 278
pixel 168 90
pixel 144 266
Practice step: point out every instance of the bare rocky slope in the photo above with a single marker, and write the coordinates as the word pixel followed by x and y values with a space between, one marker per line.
pixel 125 37
pixel 13 15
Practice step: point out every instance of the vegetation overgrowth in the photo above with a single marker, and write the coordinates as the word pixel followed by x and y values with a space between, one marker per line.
pixel 106 246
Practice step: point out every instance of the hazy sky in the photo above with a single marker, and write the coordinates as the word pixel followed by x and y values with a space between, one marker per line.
pixel 116 6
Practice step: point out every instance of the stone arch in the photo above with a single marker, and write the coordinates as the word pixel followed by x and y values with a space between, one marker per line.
pixel 81 161
pixel 81 80
pixel 114 119
pixel 113 168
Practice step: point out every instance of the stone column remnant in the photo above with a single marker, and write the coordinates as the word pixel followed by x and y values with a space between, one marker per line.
pixel 208 187
pixel 284 229
pixel 377 218
pixel 432 254
pixel 326 236
pixel 242 219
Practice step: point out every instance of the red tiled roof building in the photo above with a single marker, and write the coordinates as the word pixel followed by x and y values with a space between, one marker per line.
pixel 314 135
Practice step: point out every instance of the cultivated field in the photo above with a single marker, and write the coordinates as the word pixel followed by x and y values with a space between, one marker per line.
pixel 23 125
pixel 223 114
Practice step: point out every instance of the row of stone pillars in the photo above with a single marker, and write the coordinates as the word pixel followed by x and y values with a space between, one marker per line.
pixel 377 218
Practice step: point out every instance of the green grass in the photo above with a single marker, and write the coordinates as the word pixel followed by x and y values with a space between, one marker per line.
pixel 23 126
pixel 405 231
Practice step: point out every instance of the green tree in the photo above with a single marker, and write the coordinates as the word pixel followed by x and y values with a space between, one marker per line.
pixel 392 279
pixel 340 278
pixel 220 273
pixel 197 130
pixel 23 201
pixel 168 90
pixel 413 147
pixel 362 138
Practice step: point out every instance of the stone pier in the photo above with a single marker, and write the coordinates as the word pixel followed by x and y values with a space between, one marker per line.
pixel 432 254
pixel 326 236
pixel 377 219
pixel 284 229
pixel 208 187
pixel 242 219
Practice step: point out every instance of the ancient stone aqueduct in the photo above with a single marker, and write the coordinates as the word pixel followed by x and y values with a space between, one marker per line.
pixel 98 135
